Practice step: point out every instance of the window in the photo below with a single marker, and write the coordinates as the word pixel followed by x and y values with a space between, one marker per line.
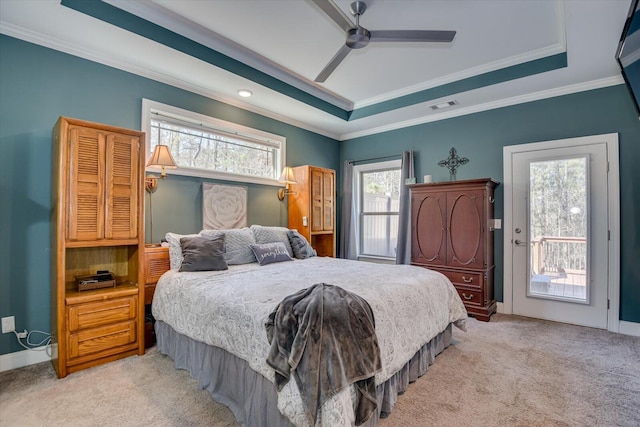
pixel 377 201
pixel 207 147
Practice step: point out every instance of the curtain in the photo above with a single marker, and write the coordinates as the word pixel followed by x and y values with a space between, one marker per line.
pixel 403 248
pixel 347 218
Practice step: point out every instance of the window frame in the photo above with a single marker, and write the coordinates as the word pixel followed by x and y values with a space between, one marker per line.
pixel 358 202
pixel 151 108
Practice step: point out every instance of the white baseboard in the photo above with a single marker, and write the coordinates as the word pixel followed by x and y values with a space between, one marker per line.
pixel 629 328
pixel 625 328
pixel 23 358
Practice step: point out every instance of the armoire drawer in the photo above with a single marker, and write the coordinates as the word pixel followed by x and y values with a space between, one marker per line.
pixel 470 295
pixel 465 278
pixel 98 313
pixel 95 340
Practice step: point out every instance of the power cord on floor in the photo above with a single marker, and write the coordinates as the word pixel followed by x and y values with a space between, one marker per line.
pixel 35 346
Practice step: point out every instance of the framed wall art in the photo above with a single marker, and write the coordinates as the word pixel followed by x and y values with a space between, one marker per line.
pixel 223 206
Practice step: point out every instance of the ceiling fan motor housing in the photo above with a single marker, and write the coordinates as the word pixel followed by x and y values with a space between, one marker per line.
pixel 358 37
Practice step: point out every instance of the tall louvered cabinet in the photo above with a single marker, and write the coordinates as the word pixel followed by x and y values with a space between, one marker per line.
pixel 97 226
pixel 312 207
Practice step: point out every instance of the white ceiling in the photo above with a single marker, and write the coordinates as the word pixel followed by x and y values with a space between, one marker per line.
pixel 293 40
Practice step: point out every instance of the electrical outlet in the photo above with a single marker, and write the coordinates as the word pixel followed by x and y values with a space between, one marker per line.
pixel 8 324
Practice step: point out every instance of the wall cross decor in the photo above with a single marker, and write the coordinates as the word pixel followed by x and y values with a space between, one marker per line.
pixel 453 162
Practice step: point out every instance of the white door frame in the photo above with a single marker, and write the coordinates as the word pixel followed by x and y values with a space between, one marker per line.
pixel 613 188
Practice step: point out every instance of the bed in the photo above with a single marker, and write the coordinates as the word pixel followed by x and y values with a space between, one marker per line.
pixel 212 323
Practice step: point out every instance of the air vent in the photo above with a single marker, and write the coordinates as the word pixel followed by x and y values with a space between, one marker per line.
pixel 444 105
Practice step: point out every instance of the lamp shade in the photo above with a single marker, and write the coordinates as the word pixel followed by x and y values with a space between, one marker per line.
pixel 287 177
pixel 162 157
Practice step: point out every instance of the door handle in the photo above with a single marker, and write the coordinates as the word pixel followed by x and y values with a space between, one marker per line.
pixel 520 242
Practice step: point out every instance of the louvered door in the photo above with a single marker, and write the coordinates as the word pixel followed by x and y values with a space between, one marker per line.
pixel 86 165
pixel 327 201
pixel 317 198
pixel 103 190
pixel 122 191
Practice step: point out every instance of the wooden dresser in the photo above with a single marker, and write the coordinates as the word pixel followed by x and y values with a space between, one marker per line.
pixel 452 234
pixel 312 207
pixel 97 225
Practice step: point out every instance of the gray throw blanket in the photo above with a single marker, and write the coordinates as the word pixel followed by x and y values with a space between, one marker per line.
pixel 326 337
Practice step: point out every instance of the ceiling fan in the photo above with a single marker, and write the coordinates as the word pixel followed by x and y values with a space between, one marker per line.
pixel 358 37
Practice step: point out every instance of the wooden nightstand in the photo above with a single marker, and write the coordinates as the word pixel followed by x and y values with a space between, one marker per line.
pixel 156 262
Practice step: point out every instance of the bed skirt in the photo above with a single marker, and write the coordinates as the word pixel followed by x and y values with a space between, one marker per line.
pixel 252 398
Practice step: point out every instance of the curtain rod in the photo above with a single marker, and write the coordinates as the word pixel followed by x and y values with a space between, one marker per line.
pixel 391 156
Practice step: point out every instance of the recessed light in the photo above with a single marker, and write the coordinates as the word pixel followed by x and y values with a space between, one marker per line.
pixel 444 105
pixel 245 93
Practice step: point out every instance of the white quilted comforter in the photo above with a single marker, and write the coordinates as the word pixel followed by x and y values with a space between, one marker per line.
pixel 228 309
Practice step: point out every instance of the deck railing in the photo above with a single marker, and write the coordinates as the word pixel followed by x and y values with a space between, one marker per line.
pixel 553 254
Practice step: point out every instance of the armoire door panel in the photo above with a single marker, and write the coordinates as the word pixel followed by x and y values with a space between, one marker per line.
pixel 327 201
pixel 86 184
pixel 465 229
pixel 122 189
pixel 316 201
pixel 430 235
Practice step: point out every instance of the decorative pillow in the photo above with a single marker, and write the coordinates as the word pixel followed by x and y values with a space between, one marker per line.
pixel 268 253
pixel 175 250
pixel 271 235
pixel 301 247
pixel 237 244
pixel 202 253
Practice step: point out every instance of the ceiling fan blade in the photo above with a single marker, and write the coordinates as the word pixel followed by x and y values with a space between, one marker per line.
pixel 335 61
pixel 335 13
pixel 412 36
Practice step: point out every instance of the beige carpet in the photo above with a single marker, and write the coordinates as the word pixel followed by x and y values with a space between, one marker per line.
pixel 511 371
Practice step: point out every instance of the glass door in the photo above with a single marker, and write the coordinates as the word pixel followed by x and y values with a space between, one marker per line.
pixel 558 229
pixel 559 239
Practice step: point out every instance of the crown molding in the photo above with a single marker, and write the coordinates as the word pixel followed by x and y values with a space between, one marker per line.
pixel 156 13
pixel 471 72
pixel 535 96
pixel 559 47
pixel 71 49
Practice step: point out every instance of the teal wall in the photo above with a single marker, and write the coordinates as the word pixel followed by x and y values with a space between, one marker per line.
pixel 37 85
pixel 481 136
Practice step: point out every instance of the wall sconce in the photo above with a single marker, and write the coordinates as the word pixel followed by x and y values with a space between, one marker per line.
pixel 287 178
pixel 161 157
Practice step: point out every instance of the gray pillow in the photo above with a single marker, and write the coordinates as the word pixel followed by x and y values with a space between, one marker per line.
pixel 264 234
pixel 267 253
pixel 175 251
pixel 203 254
pixel 237 244
pixel 301 247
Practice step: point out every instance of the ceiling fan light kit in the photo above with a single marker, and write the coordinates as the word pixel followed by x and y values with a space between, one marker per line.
pixel 359 37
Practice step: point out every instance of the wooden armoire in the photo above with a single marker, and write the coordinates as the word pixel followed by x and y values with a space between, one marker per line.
pixel 97 226
pixel 452 232
pixel 312 207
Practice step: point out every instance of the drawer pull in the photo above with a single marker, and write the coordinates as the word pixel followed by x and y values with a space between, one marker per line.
pixel 465 280
pixel 467 297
